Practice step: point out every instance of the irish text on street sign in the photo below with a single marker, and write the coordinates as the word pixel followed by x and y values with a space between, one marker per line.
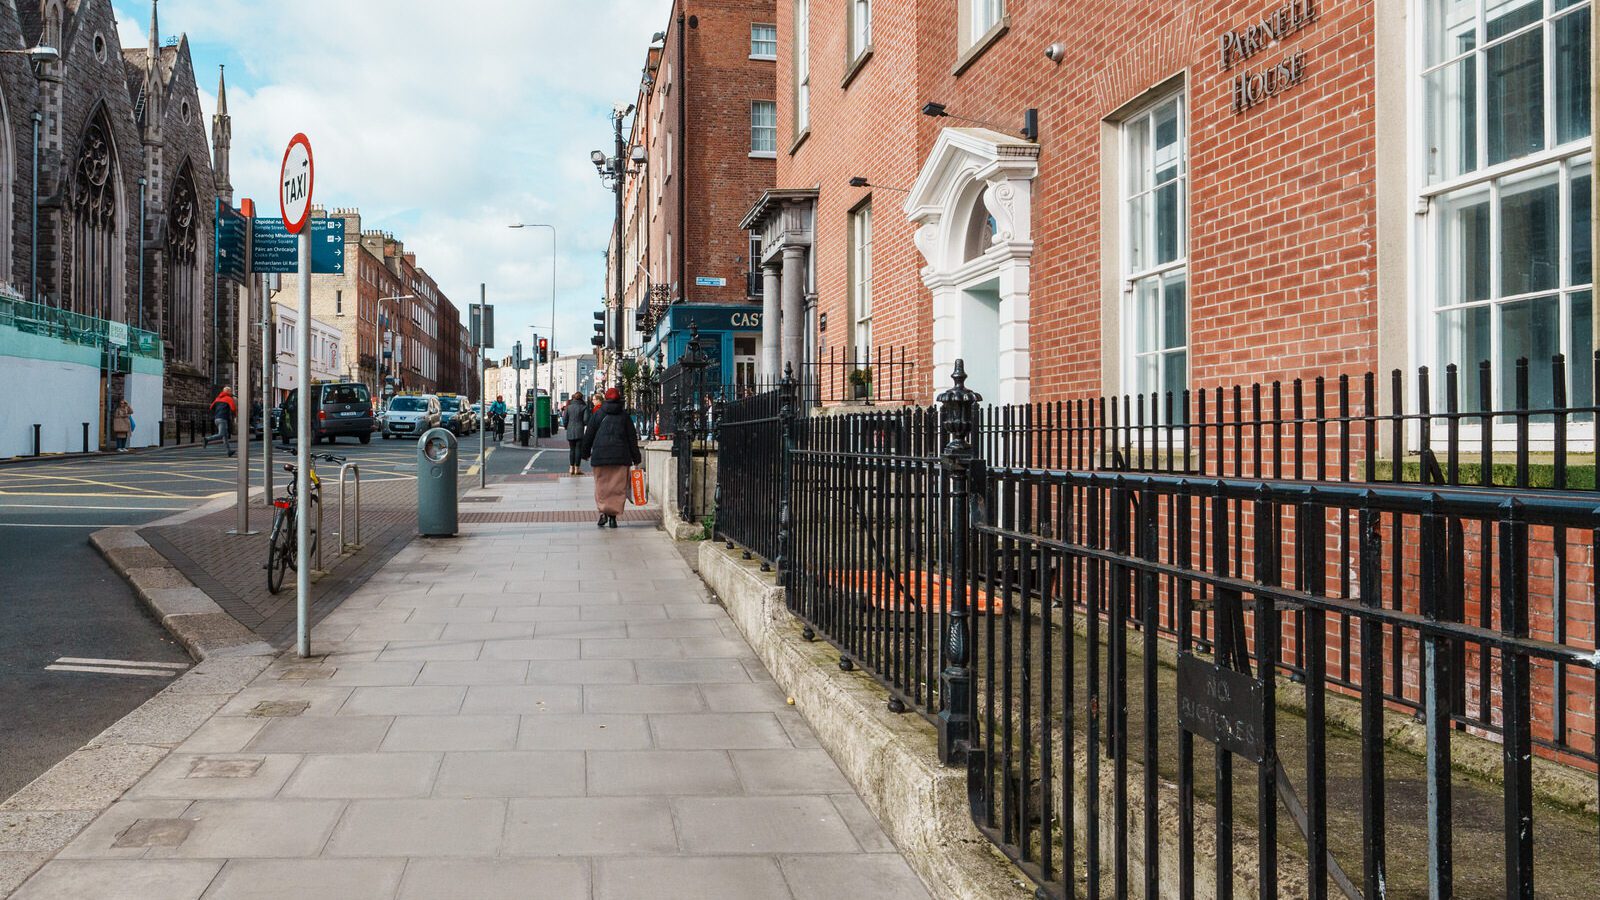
pixel 230 245
pixel 295 182
pixel 274 250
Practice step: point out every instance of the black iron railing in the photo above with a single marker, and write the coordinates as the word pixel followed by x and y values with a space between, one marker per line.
pixel 749 491
pixel 1016 574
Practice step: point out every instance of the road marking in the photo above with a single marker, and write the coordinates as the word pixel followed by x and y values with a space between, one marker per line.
pixel 90 481
pixel 533 459
pixel 74 507
pixel 116 667
pixel 52 525
pixel 91 661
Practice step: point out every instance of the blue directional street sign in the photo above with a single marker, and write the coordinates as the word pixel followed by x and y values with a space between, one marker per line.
pixel 274 249
pixel 230 245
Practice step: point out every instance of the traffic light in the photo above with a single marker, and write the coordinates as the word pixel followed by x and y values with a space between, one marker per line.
pixel 599 339
pixel 544 350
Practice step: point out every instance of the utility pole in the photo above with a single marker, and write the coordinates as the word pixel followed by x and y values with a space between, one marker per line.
pixel 614 316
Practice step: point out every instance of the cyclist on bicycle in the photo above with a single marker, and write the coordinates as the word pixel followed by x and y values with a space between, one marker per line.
pixel 497 416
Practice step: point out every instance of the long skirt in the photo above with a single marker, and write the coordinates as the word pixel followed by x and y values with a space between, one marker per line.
pixel 611 489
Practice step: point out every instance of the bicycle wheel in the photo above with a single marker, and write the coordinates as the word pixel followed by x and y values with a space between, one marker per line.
pixel 280 549
pixel 316 509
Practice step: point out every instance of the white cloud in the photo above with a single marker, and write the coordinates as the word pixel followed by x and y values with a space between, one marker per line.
pixel 443 122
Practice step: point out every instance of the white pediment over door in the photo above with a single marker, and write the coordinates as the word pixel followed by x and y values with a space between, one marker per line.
pixel 972 208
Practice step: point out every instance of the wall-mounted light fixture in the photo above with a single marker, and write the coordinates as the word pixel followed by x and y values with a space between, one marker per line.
pixel 1030 119
pixel 857 181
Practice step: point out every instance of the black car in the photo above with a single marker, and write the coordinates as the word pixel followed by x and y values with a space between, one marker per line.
pixel 342 409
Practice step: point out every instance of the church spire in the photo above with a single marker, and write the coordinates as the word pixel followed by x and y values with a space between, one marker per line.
pixel 222 139
pixel 154 51
pixel 153 88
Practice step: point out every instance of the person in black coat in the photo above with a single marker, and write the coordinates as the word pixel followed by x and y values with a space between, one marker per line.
pixel 611 444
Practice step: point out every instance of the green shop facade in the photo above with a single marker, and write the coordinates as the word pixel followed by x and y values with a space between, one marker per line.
pixel 729 334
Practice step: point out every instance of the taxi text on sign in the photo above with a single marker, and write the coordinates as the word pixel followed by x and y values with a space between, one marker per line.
pixel 295 183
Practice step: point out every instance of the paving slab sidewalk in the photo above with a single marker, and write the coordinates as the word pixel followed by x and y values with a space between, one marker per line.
pixel 529 707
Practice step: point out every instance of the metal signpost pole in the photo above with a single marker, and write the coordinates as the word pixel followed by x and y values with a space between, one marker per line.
pixel 241 524
pixel 244 297
pixel 296 181
pixel 258 284
pixel 302 433
pixel 483 373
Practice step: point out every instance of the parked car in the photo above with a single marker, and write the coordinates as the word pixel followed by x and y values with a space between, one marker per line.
pixel 410 414
pixel 456 415
pixel 340 409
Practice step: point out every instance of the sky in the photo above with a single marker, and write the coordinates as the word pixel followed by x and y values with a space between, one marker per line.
pixel 443 122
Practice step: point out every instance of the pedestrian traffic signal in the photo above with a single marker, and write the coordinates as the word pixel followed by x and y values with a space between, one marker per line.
pixel 599 339
pixel 544 350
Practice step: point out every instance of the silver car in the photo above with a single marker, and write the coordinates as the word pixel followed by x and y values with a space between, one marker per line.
pixel 409 415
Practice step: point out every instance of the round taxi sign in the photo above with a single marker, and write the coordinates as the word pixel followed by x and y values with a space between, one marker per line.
pixel 295 183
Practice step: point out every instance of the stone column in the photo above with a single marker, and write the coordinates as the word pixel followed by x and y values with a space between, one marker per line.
pixel 771 356
pixel 794 306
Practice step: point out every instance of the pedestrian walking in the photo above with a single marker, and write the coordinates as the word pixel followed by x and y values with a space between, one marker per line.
pixel 611 444
pixel 576 419
pixel 223 411
pixel 122 424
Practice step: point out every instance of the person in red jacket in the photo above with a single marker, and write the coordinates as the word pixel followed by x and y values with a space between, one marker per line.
pixel 223 410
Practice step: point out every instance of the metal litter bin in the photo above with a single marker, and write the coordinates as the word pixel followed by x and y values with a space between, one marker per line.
pixel 437 463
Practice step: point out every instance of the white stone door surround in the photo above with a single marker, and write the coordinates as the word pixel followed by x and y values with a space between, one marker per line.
pixel 971 172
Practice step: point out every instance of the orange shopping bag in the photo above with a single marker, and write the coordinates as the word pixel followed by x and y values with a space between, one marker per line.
pixel 637 487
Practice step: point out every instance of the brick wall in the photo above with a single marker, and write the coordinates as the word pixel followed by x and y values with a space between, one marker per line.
pixel 1283 200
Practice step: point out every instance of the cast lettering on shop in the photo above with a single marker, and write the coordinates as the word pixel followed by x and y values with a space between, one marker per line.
pixel 1248 86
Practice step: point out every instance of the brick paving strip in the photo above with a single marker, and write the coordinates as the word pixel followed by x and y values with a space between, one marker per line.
pixel 530 704
pixel 229 568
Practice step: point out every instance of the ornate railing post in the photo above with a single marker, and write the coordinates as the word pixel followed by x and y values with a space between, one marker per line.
pixel 682 447
pixel 957 414
pixel 788 414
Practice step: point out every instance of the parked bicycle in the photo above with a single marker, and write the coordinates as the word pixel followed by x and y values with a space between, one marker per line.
pixel 281 548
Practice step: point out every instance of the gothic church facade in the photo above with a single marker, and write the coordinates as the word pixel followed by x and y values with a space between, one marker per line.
pixel 118 221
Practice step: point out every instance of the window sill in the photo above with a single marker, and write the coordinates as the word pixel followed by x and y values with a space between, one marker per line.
pixel 855 67
pixel 971 54
pixel 795 147
pixel 759 58
pixel 763 154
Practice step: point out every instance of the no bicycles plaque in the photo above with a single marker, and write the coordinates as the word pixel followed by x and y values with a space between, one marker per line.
pixel 1223 706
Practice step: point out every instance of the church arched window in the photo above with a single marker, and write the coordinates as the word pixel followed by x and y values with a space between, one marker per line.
pixel 183 269
pixel 96 248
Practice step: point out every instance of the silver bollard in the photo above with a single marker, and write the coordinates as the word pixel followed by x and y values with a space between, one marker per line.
pixel 349 467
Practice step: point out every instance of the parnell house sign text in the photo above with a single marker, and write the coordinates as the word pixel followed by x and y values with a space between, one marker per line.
pixel 1235 48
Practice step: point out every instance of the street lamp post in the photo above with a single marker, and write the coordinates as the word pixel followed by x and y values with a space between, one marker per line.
pixel 613 174
pixel 552 272
pixel 379 323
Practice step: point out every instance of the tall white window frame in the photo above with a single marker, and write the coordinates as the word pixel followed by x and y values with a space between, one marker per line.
pixel 861 282
pixel 763 41
pixel 763 128
pixel 983 15
pixel 860 28
pixel 1504 164
pixel 802 66
pixel 1154 214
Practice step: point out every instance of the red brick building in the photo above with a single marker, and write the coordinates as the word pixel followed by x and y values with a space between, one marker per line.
pixel 705 127
pixel 1217 192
